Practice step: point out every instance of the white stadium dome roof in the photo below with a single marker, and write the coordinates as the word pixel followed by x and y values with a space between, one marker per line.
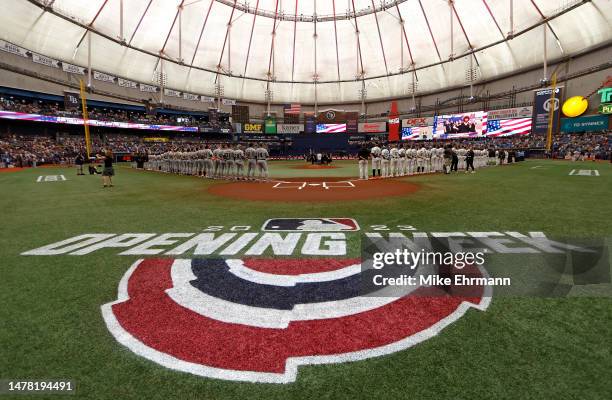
pixel 286 45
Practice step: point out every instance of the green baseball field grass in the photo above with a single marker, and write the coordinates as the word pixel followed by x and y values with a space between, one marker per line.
pixel 520 347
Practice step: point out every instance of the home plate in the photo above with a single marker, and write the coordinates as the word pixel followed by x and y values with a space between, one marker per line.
pixel 289 185
pixel 340 184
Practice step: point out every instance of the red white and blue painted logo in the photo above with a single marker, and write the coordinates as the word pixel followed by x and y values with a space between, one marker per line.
pixel 258 320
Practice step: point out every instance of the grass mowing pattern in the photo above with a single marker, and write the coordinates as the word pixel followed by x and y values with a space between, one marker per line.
pixel 518 348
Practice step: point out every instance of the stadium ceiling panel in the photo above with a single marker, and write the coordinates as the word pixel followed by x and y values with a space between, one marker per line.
pixel 288 45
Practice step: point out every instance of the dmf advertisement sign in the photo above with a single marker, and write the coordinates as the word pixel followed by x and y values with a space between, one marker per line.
pixel 252 128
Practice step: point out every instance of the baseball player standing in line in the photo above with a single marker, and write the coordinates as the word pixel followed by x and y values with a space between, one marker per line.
pixel 239 161
pixel 428 160
pixel 217 157
pixel 436 158
pixel 385 158
pixel 208 162
pixel 251 157
pixel 229 162
pixel 262 161
pixel 394 153
pixel 403 161
pixel 363 156
pixel 375 160
pixel 420 157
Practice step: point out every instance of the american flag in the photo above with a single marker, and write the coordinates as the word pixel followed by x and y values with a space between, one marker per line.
pixel 412 133
pixel 331 128
pixel 293 108
pixel 509 127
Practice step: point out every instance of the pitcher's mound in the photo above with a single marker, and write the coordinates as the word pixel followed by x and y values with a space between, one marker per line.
pixel 314 189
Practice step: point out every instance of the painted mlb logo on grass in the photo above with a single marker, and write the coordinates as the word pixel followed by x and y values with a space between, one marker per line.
pixel 311 225
pixel 258 320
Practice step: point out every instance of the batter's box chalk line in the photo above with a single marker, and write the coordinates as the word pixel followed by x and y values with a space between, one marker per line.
pixel 302 185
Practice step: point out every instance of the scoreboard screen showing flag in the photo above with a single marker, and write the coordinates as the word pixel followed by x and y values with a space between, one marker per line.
pixel 331 128
pixel 509 127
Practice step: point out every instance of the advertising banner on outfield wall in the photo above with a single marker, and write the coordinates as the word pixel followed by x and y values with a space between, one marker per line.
pixel 290 128
pixel 595 123
pixel 423 121
pixel 252 128
pixel 511 113
pixel 372 127
pixel 543 102
pixel 270 124
pixel 352 122
pixel 311 125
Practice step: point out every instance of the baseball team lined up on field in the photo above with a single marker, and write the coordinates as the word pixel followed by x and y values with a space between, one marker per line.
pixel 223 162
pixel 401 160
pixel 227 161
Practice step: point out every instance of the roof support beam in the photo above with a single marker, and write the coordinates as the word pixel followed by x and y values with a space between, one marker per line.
pixel 494 19
pixel 121 21
pixel 272 45
pixel 336 39
pixel 430 31
pixel 229 25
pixel 195 52
pixel 91 23
pixel 178 11
pixel 294 34
pixel 467 39
pixel 246 61
pixel 362 72
pixel 140 21
pixel 399 13
pixel 382 47
pixel 549 27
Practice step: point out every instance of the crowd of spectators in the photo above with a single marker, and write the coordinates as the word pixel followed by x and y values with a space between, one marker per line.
pixel 584 146
pixel 32 150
